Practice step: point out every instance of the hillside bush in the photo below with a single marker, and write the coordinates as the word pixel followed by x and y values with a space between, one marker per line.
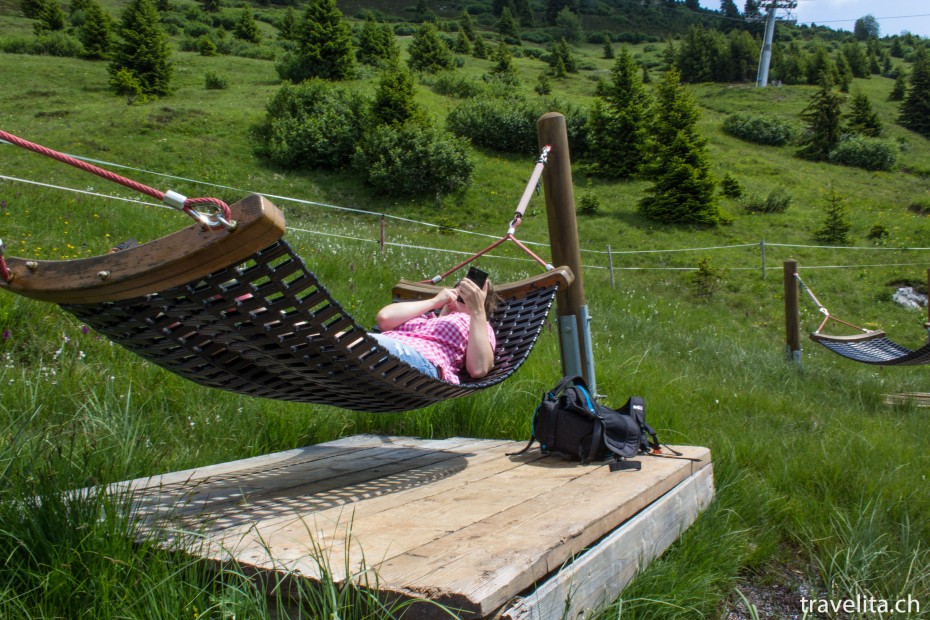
pixel 452 84
pixel 865 152
pixel 49 44
pixel 408 160
pixel 759 129
pixel 508 124
pixel 215 81
pixel 777 201
pixel 313 124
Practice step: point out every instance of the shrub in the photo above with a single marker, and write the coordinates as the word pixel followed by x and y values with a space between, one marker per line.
pixel 508 124
pixel 730 187
pixel 706 280
pixel 452 84
pixel 411 160
pixel 313 124
pixel 836 226
pixel 214 81
pixel 879 234
pixel 864 152
pixel 777 201
pixel 55 43
pixel 759 129
pixel 589 203
pixel 920 207
pixel 206 47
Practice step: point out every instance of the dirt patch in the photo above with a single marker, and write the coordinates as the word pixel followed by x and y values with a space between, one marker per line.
pixel 776 593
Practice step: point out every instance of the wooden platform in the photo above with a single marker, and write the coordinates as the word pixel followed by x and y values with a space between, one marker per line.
pixel 917 399
pixel 456 520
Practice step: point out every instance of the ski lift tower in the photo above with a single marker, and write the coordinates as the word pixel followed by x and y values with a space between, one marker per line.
pixel 765 59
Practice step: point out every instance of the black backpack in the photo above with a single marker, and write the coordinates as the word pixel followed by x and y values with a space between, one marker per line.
pixel 569 423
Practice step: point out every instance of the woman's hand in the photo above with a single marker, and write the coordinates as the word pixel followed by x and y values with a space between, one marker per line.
pixel 445 298
pixel 473 297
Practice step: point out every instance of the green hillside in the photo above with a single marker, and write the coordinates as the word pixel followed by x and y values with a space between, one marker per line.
pixel 820 484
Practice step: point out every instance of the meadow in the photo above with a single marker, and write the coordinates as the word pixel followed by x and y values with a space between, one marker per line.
pixel 821 486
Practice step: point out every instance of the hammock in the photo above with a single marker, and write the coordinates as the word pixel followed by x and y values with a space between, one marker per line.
pixel 237 309
pixel 869 346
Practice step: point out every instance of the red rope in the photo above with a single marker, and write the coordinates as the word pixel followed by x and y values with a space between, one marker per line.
pixel 110 176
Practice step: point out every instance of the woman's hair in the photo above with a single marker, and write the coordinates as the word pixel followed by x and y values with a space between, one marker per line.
pixel 491 301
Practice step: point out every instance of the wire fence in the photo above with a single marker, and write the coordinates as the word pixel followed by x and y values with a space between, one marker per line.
pixel 760 263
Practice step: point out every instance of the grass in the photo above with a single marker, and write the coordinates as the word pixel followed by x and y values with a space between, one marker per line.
pixel 813 472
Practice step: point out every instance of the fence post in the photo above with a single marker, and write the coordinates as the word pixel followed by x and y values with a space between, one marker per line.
pixel 381 236
pixel 792 313
pixel 574 321
pixel 762 245
pixel 610 266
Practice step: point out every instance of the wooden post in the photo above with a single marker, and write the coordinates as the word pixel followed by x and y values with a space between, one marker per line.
pixel 610 265
pixel 574 330
pixel 792 313
pixel 381 236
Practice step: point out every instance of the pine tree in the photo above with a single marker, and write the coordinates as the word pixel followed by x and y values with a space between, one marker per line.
pixel 143 49
pixel 422 13
pixel 503 68
pixel 376 44
pixel 915 111
pixel 561 59
pixel 507 26
pixel 480 48
pixel 95 32
pixel 618 122
pixel 211 6
pixel 553 7
pixel 246 27
pixel 427 51
pixel 568 26
pixel 844 73
pixel 751 9
pixel 824 117
pixel 729 9
pixel 51 18
pixel 524 12
pixel 862 119
pixel 462 43
pixel 608 50
pixel 324 44
pixel 836 226
pixel 467 26
pixel 670 55
pixel 683 190
pixel 395 102
pixel 819 64
pixel 899 90
pixel 287 29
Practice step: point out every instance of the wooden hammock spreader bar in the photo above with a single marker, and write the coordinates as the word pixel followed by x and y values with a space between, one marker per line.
pixel 178 258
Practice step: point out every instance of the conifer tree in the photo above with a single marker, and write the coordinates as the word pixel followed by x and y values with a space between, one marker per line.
pixel 31 8
pixel 844 73
pixel 395 102
pixel 247 28
pixel 836 226
pixel 729 9
pixel 422 13
pixel 554 7
pixel 324 44
pixel 503 67
pixel 561 59
pixel 524 12
pixel 915 111
pixel 95 33
pixel 507 26
pixel 480 49
pixel 862 119
pixel 683 191
pixel 210 6
pixel 377 45
pixel 463 43
pixel 819 64
pixel 427 51
pixel 143 49
pixel 857 59
pixel 50 19
pixel 608 50
pixel 618 122
pixel 823 116
pixel 287 29
pixel 899 90
pixel 76 7
pixel 467 26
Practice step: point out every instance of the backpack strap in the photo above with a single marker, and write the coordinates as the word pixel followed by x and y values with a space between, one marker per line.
pixel 564 383
pixel 532 435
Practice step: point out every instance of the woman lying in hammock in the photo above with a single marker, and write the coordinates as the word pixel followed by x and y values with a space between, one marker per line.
pixel 441 345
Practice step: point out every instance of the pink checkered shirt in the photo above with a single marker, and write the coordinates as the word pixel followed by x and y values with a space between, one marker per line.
pixel 440 339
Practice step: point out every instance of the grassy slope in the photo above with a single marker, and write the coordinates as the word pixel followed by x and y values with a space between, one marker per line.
pixel 812 471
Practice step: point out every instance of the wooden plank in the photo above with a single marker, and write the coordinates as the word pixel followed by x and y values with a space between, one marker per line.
pixel 917 399
pixel 170 261
pixel 477 568
pixel 261 489
pixel 563 276
pixel 602 572
pixel 455 520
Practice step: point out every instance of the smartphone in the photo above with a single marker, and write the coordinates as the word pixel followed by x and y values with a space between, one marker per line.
pixel 477 276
